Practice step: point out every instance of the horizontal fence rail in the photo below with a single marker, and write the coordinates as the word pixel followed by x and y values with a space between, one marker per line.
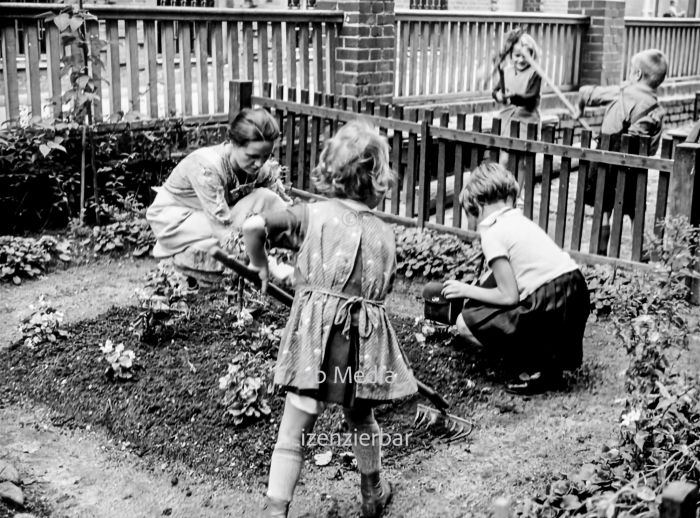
pixel 164 61
pixel 432 154
pixel 678 38
pixel 448 54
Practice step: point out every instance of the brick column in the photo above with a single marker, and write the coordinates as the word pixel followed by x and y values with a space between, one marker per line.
pixel 603 45
pixel 366 49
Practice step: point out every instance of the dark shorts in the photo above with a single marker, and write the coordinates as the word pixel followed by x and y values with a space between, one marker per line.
pixel 544 332
pixel 629 199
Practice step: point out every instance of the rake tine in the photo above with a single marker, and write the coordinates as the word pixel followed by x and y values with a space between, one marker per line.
pixel 420 417
pixel 456 428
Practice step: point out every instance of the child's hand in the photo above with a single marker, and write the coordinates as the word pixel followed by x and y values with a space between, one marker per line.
pixel 499 96
pixel 455 290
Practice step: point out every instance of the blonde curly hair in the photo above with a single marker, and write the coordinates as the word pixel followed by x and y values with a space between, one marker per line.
pixel 354 164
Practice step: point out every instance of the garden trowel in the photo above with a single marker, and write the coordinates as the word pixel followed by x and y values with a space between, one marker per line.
pixel 452 428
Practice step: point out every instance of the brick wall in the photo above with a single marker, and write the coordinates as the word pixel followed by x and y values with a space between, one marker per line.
pixel 366 50
pixel 603 44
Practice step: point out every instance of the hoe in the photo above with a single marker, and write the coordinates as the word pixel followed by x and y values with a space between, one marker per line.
pixel 451 427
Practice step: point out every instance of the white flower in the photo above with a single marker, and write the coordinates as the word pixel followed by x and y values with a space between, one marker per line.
pixel 630 419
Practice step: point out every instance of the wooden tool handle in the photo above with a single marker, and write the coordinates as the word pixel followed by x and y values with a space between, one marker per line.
pixel 435 398
pixel 534 64
pixel 249 275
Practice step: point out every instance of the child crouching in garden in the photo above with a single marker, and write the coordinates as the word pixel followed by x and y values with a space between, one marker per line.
pixel 338 345
pixel 532 309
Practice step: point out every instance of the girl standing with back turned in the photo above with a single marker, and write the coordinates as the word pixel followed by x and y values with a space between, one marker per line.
pixel 338 345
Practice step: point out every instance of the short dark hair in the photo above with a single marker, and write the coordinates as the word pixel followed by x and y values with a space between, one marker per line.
pixel 489 182
pixel 653 65
pixel 253 125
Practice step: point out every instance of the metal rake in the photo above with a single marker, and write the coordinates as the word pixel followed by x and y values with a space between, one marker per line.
pixel 454 428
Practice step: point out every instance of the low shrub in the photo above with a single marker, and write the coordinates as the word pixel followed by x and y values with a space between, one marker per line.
pixel 44 325
pixel 163 303
pixel 432 255
pixel 659 436
pixel 40 169
pixel 28 257
pixel 120 361
pixel 662 291
pixel 245 388
pixel 135 235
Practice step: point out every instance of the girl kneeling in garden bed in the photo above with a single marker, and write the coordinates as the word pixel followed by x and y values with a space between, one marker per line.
pixel 338 345
pixel 533 307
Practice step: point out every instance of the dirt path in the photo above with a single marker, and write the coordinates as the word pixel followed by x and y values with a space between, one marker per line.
pixel 84 474
pixel 518 443
pixel 80 292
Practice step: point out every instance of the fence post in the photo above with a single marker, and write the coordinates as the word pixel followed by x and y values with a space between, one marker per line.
pixel 679 500
pixel 684 196
pixel 239 94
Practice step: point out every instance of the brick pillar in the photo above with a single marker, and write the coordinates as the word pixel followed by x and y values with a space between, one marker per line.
pixel 532 6
pixel 603 45
pixel 366 50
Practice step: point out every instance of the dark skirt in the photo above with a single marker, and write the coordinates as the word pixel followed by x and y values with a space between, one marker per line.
pixel 543 333
pixel 339 366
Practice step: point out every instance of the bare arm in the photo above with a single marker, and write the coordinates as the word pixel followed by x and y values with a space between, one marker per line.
pixel 254 237
pixel 504 294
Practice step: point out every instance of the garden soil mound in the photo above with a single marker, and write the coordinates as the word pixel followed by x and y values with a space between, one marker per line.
pixel 172 409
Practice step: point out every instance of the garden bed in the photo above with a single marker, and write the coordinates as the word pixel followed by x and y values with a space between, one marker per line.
pixel 172 408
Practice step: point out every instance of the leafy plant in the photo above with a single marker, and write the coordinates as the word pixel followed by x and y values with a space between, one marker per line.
pixel 71 26
pixel 38 191
pixel 432 255
pixel 629 294
pixel 120 361
pixel 26 257
pixel 675 254
pixel 135 235
pixel 163 303
pixel 44 325
pixel 659 438
pixel 245 394
pixel 37 186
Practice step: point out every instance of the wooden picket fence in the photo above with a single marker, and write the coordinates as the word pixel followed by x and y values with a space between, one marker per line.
pixel 442 55
pixel 678 38
pixel 160 61
pixel 432 158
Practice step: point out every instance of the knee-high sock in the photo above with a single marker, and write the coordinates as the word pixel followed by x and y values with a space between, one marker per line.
pixel 367 440
pixel 287 457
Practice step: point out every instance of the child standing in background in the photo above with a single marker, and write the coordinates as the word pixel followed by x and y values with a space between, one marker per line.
pixel 338 331
pixel 631 108
pixel 519 86
pixel 532 309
